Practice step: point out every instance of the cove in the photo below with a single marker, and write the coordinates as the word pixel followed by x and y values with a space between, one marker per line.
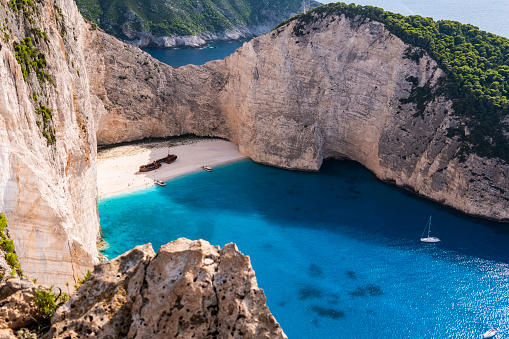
pixel 337 252
pixel 176 57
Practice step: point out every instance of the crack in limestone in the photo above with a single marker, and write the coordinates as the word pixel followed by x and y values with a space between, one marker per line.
pixel 144 301
pixel 214 319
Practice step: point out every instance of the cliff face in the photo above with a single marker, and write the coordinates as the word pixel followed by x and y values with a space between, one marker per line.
pixel 337 89
pixel 334 88
pixel 48 191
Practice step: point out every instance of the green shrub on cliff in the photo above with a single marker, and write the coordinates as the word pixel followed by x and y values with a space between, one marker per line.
pixel 47 301
pixel 476 64
pixel 31 59
pixel 47 130
pixel 26 7
pixel 82 281
pixel 12 260
pixel 7 246
pixel 3 222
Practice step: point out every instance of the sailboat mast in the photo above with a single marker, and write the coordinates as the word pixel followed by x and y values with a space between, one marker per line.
pixel 428 238
pixel 429 225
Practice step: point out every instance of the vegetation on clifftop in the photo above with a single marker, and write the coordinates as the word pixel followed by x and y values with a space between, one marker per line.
pixel 183 17
pixel 26 7
pixel 476 64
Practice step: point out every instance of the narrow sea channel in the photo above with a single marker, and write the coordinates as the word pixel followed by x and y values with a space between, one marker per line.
pixel 337 252
pixel 176 57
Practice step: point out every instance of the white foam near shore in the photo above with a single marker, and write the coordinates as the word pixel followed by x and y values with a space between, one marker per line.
pixel 118 168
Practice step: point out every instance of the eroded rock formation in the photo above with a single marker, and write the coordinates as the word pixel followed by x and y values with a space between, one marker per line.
pixel 340 89
pixel 190 289
pixel 17 308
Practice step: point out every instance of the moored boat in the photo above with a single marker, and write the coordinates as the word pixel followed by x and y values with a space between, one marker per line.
pixel 428 238
pixel 156 164
pixel 490 333
pixel 207 168
pixel 160 183
pixel 167 159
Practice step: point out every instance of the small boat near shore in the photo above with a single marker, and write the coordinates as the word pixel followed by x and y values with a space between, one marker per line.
pixel 160 183
pixel 490 333
pixel 207 168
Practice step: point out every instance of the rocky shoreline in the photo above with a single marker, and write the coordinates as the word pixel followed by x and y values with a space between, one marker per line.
pixel 146 39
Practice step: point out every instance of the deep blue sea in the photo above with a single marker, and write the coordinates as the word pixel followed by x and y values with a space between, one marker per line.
pixel 337 252
pixel 177 57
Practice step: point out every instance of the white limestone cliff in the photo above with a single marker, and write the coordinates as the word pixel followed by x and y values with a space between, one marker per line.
pixel 48 192
pixel 292 101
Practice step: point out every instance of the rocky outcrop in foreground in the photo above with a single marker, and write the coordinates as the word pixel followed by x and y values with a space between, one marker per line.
pixel 190 289
pixel 17 308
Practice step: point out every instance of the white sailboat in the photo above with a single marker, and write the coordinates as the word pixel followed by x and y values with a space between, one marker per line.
pixel 428 238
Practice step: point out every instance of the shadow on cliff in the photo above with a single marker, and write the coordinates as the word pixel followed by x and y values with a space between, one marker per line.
pixel 151 143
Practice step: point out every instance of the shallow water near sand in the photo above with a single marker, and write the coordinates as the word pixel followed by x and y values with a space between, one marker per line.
pixel 336 252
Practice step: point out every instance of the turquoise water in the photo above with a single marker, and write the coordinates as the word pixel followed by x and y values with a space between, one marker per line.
pixel 337 252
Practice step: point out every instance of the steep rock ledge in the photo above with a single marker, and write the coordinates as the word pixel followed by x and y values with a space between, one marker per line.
pixel 340 88
pixel 190 289
pixel 337 89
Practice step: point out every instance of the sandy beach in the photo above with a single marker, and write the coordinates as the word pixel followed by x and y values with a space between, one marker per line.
pixel 118 168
